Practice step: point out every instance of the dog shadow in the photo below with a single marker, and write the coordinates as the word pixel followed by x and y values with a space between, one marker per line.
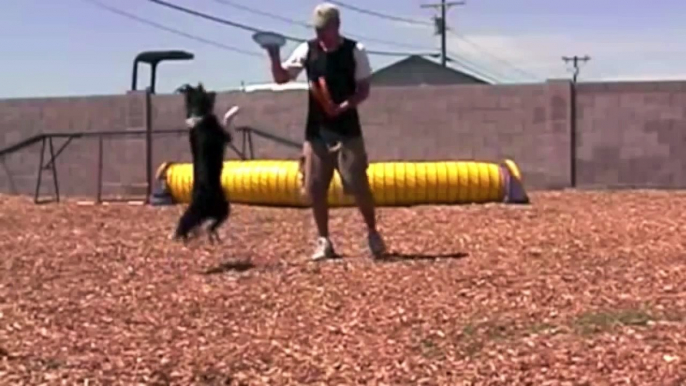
pixel 392 257
pixel 230 266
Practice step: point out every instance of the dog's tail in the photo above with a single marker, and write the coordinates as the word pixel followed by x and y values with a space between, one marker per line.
pixel 228 117
pixel 161 173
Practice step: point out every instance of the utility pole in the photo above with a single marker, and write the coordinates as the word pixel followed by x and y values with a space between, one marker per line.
pixel 441 25
pixel 573 134
pixel 575 62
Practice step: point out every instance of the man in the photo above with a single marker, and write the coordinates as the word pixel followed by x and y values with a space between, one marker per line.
pixel 338 71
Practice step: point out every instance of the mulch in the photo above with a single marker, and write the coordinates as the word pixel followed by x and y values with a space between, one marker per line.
pixel 579 288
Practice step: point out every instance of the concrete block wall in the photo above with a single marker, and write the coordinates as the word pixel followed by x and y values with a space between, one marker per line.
pixel 529 123
pixel 632 135
pixel 628 134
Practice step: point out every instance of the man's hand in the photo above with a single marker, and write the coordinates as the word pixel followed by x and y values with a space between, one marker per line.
pixel 274 53
pixel 360 96
pixel 321 93
pixel 341 108
pixel 279 73
pixel 334 110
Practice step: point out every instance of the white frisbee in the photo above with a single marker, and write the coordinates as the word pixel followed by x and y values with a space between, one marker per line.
pixel 269 39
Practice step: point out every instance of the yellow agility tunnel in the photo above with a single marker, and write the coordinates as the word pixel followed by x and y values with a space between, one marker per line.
pixel 277 183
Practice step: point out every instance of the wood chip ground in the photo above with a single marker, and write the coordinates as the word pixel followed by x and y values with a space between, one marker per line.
pixel 579 288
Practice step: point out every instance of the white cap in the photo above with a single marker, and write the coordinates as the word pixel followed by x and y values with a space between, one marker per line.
pixel 324 13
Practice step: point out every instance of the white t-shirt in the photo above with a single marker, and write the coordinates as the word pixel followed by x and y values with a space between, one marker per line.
pixel 296 62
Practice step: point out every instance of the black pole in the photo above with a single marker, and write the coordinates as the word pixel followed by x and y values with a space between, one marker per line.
pixel 148 143
pixel 572 138
pixel 55 180
pixel 40 172
pixel 153 58
pixel 444 25
pixel 153 76
pixel 134 77
pixel 576 60
pixel 98 191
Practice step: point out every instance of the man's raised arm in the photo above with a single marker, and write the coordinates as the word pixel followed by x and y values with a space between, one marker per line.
pixel 291 68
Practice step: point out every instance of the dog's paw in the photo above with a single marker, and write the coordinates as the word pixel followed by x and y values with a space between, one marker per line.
pixel 192 122
pixel 177 238
pixel 195 233
pixel 213 237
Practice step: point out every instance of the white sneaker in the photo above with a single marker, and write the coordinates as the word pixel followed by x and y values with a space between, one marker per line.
pixel 324 249
pixel 376 244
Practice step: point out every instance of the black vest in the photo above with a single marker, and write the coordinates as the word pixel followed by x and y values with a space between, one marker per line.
pixel 338 69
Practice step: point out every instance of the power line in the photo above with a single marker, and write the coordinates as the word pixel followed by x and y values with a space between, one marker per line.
pixel 496 58
pixel 303 24
pixel 171 30
pixel 211 18
pixel 442 27
pixel 263 13
pixel 455 58
pixel 475 68
pixel 438 24
pixel 464 64
pixel 575 62
pixel 255 29
pixel 381 15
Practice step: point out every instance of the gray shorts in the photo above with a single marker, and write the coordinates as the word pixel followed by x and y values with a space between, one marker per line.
pixel 319 161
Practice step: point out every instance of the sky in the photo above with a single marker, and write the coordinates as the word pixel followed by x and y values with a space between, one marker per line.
pixel 73 47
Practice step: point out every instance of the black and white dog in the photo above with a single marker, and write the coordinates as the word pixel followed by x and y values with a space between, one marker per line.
pixel 208 140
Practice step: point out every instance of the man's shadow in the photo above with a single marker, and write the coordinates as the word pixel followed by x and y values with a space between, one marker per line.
pixel 391 257
pixel 397 257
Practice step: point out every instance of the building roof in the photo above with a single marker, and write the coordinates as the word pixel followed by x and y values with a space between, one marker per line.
pixel 274 87
pixel 447 74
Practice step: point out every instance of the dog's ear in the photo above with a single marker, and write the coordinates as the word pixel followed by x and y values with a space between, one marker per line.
pixel 183 89
pixel 212 97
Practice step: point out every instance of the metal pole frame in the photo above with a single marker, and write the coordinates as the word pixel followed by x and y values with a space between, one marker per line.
pixel 98 194
pixel 39 177
pixel 148 144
